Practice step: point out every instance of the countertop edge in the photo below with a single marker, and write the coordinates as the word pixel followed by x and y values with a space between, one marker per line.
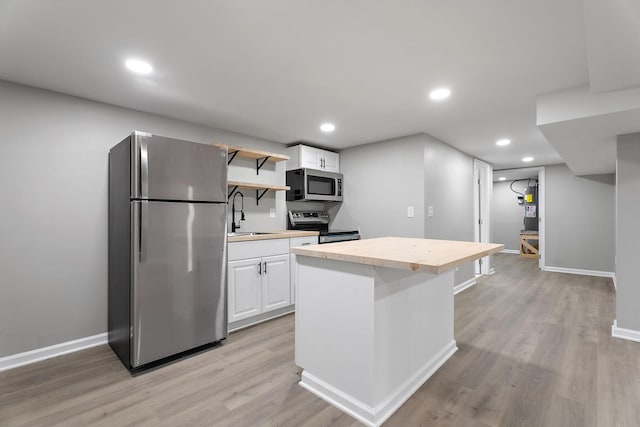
pixel 390 263
pixel 285 234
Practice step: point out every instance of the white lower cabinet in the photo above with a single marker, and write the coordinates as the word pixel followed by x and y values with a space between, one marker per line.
pixel 245 289
pixel 275 282
pixel 258 278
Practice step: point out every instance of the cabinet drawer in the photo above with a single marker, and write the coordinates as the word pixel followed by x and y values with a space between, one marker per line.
pixel 257 249
pixel 303 241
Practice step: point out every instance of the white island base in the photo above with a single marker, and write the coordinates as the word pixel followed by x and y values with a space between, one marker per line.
pixel 367 337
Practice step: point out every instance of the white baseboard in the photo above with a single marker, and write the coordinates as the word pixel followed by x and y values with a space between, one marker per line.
pixel 251 321
pixel 369 416
pixel 464 285
pixel 510 251
pixel 627 334
pixel 579 271
pixel 28 357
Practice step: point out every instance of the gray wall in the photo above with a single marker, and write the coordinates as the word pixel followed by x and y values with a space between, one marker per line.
pixel 384 178
pixel 627 232
pixel 580 220
pixel 448 189
pixel 53 221
pixel 380 181
pixel 506 215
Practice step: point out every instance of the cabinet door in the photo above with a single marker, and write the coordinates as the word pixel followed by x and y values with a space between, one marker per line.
pixel 245 288
pixel 331 161
pixel 276 290
pixel 310 157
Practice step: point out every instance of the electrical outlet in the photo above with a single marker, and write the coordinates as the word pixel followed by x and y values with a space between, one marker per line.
pixel 430 211
pixel 272 212
pixel 410 212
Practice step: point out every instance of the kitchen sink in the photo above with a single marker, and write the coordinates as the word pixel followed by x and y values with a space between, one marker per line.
pixel 246 233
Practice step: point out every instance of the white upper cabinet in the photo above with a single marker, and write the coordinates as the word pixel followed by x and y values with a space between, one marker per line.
pixel 303 156
pixel 309 157
pixel 331 161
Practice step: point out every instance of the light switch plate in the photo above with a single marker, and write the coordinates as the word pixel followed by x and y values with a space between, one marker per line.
pixel 272 212
pixel 410 212
pixel 430 211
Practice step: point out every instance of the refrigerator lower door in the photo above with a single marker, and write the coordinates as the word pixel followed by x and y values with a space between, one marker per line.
pixel 178 290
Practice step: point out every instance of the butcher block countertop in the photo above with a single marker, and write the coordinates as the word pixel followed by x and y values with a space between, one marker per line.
pixel 284 234
pixel 431 256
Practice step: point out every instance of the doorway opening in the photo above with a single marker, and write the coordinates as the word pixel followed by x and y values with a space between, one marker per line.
pixel 518 215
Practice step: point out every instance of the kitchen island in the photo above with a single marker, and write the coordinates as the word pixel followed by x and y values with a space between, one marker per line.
pixel 374 319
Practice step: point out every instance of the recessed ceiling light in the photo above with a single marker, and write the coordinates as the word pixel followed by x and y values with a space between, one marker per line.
pixel 327 127
pixel 439 94
pixel 527 159
pixel 502 178
pixel 503 142
pixel 138 66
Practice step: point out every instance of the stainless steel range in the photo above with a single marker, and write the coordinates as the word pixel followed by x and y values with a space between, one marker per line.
pixel 319 221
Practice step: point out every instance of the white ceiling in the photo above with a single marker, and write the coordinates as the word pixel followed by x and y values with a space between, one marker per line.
pixel 278 69
pixel 514 174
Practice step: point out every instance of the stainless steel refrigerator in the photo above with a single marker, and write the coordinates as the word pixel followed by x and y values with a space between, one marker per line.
pixel 167 248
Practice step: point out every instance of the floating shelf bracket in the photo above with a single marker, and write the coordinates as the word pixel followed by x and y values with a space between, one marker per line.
pixel 232 156
pixel 233 190
pixel 259 195
pixel 260 162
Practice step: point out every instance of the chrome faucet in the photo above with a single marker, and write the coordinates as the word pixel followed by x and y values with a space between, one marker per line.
pixel 235 227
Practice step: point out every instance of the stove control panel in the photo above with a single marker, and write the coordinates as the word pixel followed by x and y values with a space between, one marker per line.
pixel 308 217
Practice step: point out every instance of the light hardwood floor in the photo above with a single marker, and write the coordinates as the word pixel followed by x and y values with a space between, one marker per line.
pixel 535 350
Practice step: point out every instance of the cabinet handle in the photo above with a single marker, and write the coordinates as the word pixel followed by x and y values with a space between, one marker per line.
pixel 265 267
pixel 259 269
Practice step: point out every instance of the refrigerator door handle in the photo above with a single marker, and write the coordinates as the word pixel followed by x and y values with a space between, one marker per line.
pixel 144 169
pixel 143 224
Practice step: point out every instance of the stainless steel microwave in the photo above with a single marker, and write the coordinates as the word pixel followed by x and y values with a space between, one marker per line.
pixel 314 185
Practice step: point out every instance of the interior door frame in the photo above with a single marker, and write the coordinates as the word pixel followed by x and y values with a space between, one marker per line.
pixel 541 208
pixel 482 190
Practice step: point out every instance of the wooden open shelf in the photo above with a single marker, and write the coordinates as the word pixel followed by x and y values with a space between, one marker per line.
pixel 261 189
pixel 261 157
pixel 254 186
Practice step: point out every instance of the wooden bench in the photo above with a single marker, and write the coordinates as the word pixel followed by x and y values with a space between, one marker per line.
pixel 527 249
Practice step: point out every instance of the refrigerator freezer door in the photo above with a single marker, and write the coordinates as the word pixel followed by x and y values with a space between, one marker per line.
pixel 171 169
pixel 179 278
